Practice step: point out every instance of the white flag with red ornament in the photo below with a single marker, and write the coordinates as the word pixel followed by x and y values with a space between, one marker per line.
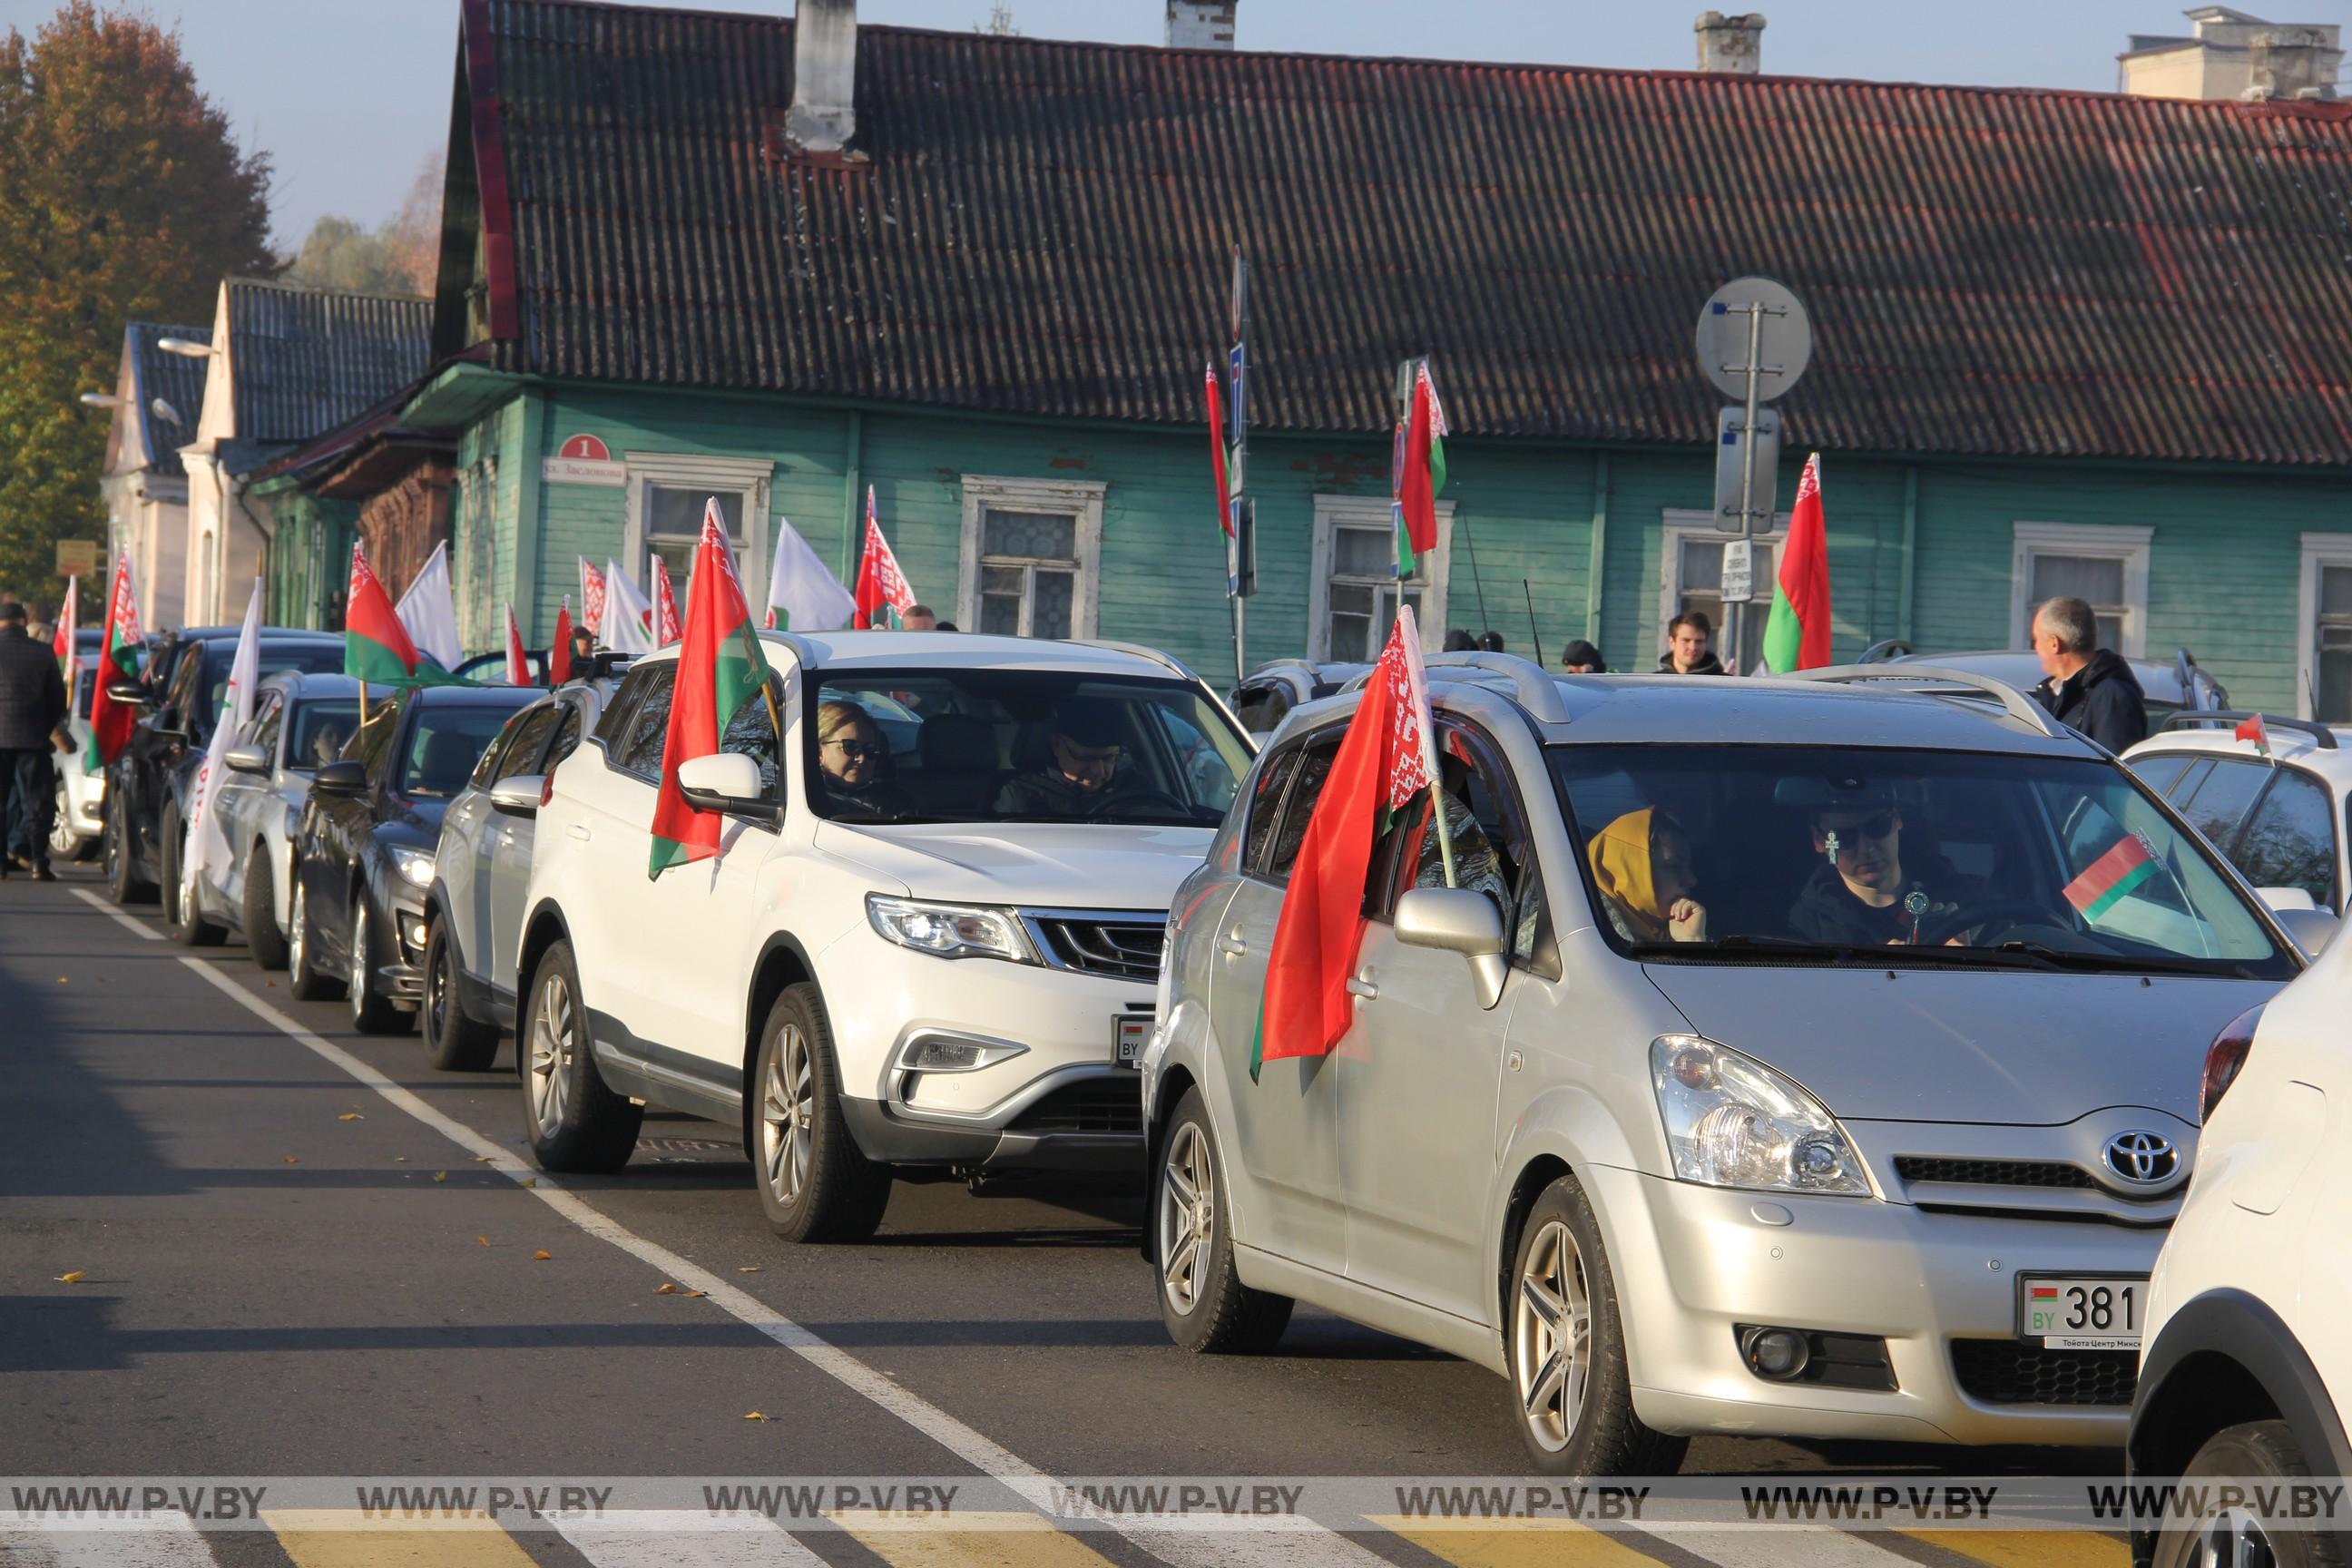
pixel 518 658
pixel 207 844
pixel 628 618
pixel 880 583
pixel 666 607
pixel 592 597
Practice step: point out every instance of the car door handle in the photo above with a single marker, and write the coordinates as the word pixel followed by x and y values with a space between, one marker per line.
pixel 1361 985
pixel 1232 945
pixel 578 830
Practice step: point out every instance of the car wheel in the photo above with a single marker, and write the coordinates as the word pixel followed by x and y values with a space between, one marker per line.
pixel 1202 1301
pixel 371 1011
pixel 1567 1349
pixel 183 909
pixel 65 844
pixel 263 941
pixel 573 1121
pixel 303 976
pixel 454 1041
pixel 814 1183
pixel 2227 1535
pixel 123 881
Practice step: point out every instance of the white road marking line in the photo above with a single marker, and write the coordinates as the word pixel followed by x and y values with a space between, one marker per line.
pixel 1826 1548
pixel 1297 1543
pixel 134 927
pixel 157 1540
pixel 658 1537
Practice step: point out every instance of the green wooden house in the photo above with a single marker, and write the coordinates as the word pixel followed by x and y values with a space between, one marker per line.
pixel 2064 342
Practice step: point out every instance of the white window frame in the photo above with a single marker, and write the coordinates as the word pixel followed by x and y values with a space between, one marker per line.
pixel 1333 512
pixel 1078 499
pixel 2319 550
pixel 1677 524
pixel 2099 541
pixel 746 477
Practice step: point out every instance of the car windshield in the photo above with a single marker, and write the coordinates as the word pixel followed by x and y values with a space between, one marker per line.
pixel 320 729
pixel 1893 857
pixel 308 659
pixel 993 745
pixel 448 740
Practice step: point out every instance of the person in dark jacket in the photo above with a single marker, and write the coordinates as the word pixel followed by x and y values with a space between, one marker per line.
pixel 1686 650
pixel 33 710
pixel 1863 894
pixel 2090 687
pixel 1086 773
pixel 1580 657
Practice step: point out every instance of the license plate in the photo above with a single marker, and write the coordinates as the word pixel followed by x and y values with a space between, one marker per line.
pixel 1130 1032
pixel 2084 1314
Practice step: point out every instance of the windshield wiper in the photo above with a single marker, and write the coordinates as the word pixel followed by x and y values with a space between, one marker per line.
pixel 1881 957
pixel 2126 963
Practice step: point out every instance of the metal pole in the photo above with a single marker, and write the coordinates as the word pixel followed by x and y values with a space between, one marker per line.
pixel 1241 639
pixel 1734 609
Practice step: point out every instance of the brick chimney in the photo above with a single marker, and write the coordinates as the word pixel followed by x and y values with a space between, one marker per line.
pixel 823 115
pixel 2293 62
pixel 1730 45
pixel 1201 24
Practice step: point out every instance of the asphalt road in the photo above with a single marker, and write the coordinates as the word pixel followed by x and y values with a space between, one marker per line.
pixel 298 1251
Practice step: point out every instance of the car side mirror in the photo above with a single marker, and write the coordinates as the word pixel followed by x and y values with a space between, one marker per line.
pixel 1457 919
pixel 724 780
pixel 2310 928
pixel 2286 901
pixel 131 691
pixel 341 777
pixel 246 759
pixel 518 794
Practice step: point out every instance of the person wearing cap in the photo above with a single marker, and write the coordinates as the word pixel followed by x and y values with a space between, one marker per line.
pixel 1862 894
pixel 1084 770
pixel 33 711
pixel 1580 657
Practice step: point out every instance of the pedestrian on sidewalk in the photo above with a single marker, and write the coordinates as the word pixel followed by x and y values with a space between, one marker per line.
pixel 1686 650
pixel 2089 689
pixel 33 710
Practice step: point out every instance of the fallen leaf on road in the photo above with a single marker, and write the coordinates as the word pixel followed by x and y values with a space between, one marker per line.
pixel 665 1288
pixel 440 1175
pixel 351 1116
pixel 540 1257
pixel 72 1278
pixel 696 1294
pixel 292 1160
pixel 747 1269
pixel 400 1159
pixel 481 1159
pixel 754 1415
pixel 483 1239
pixel 61 980
pixel 530 1181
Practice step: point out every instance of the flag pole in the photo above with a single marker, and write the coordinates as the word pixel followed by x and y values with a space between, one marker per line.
pixel 1445 837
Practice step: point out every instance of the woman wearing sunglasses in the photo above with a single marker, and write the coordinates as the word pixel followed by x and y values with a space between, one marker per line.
pixel 853 764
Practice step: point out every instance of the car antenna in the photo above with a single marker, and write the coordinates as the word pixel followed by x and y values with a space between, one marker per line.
pixel 1533 635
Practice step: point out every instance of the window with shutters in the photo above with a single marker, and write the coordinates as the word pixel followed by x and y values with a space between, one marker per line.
pixel 1354 589
pixel 1031 561
pixel 2103 564
pixel 2324 664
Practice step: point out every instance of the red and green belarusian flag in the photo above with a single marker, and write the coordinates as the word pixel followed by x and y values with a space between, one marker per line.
pixel 1217 449
pixel 2252 729
pixel 1421 475
pixel 720 667
pixel 377 647
pixel 2110 878
pixel 111 722
pixel 1797 636
pixel 1387 757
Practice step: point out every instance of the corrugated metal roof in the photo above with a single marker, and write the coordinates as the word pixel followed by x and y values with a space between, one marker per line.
pixel 178 380
pixel 1042 228
pixel 306 360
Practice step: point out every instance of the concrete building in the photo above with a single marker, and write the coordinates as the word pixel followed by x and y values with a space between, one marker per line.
pixel 2235 57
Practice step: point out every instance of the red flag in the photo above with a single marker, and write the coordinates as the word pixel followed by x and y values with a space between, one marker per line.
pixel 1385 758
pixel 720 667
pixel 1422 475
pixel 518 660
pixel 1797 633
pixel 559 652
pixel 64 643
pixel 1217 450
pixel 111 722
pixel 592 597
pixel 2251 729
pixel 880 583
pixel 664 606
pixel 376 644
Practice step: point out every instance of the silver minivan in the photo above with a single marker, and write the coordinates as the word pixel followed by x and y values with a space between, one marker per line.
pixel 1813 1057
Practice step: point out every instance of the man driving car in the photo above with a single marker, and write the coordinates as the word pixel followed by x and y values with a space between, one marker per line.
pixel 1861 893
pixel 1085 771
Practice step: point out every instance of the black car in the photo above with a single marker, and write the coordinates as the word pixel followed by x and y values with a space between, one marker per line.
pixel 147 786
pixel 364 850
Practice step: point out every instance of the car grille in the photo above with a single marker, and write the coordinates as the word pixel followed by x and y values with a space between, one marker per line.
pixel 2009 1372
pixel 1992 1172
pixel 1098 1105
pixel 1121 949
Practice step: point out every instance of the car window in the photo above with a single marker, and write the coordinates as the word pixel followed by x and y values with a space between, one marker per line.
pixel 2290 839
pixel 2222 802
pixel 518 753
pixel 321 727
pixel 371 746
pixel 1208 773
pixel 1265 803
pixel 612 725
pixel 750 732
pixel 178 712
pixel 267 722
pixel 446 742
pixel 567 739
pixel 1261 706
pixel 2162 772
pixel 641 751
pixel 272 658
pixel 1314 767
pixel 1482 825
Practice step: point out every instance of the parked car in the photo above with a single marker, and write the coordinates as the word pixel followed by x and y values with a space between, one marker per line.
pixel 1821 1150
pixel 2249 1353
pixel 363 848
pixel 2279 819
pixel 481 871
pixel 492 666
pixel 78 821
pixel 299 723
pixel 927 944
pixel 2179 685
pixel 147 784
pixel 1263 700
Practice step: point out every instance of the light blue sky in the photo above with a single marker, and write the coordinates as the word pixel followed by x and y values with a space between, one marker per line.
pixel 349 95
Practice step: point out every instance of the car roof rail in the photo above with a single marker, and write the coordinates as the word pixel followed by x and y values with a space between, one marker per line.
pixel 1531 684
pixel 1881 652
pixel 2200 718
pixel 1926 677
pixel 1165 660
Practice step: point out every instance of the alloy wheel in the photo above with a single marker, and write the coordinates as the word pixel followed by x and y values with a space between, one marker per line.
pixel 2232 1539
pixel 187 894
pixel 62 842
pixel 787 1113
pixel 436 993
pixel 1188 1217
pixel 297 940
pixel 359 957
pixel 1551 1326
pixel 552 1041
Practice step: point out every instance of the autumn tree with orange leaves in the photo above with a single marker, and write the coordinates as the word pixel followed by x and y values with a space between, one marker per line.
pixel 122 198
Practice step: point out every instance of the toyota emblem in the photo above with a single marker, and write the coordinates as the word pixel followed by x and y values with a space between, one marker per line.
pixel 2143 1157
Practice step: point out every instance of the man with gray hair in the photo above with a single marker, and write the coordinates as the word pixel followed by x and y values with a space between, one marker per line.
pixel 2088 688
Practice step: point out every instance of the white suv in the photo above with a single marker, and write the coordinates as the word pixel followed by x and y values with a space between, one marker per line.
pixel 2247 1350
pixel 929 938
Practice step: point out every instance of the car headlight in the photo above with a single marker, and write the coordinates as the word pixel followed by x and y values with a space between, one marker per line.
pixel 416 865
pixel 949 930
pixel 954 1053
pixel 1734 1122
